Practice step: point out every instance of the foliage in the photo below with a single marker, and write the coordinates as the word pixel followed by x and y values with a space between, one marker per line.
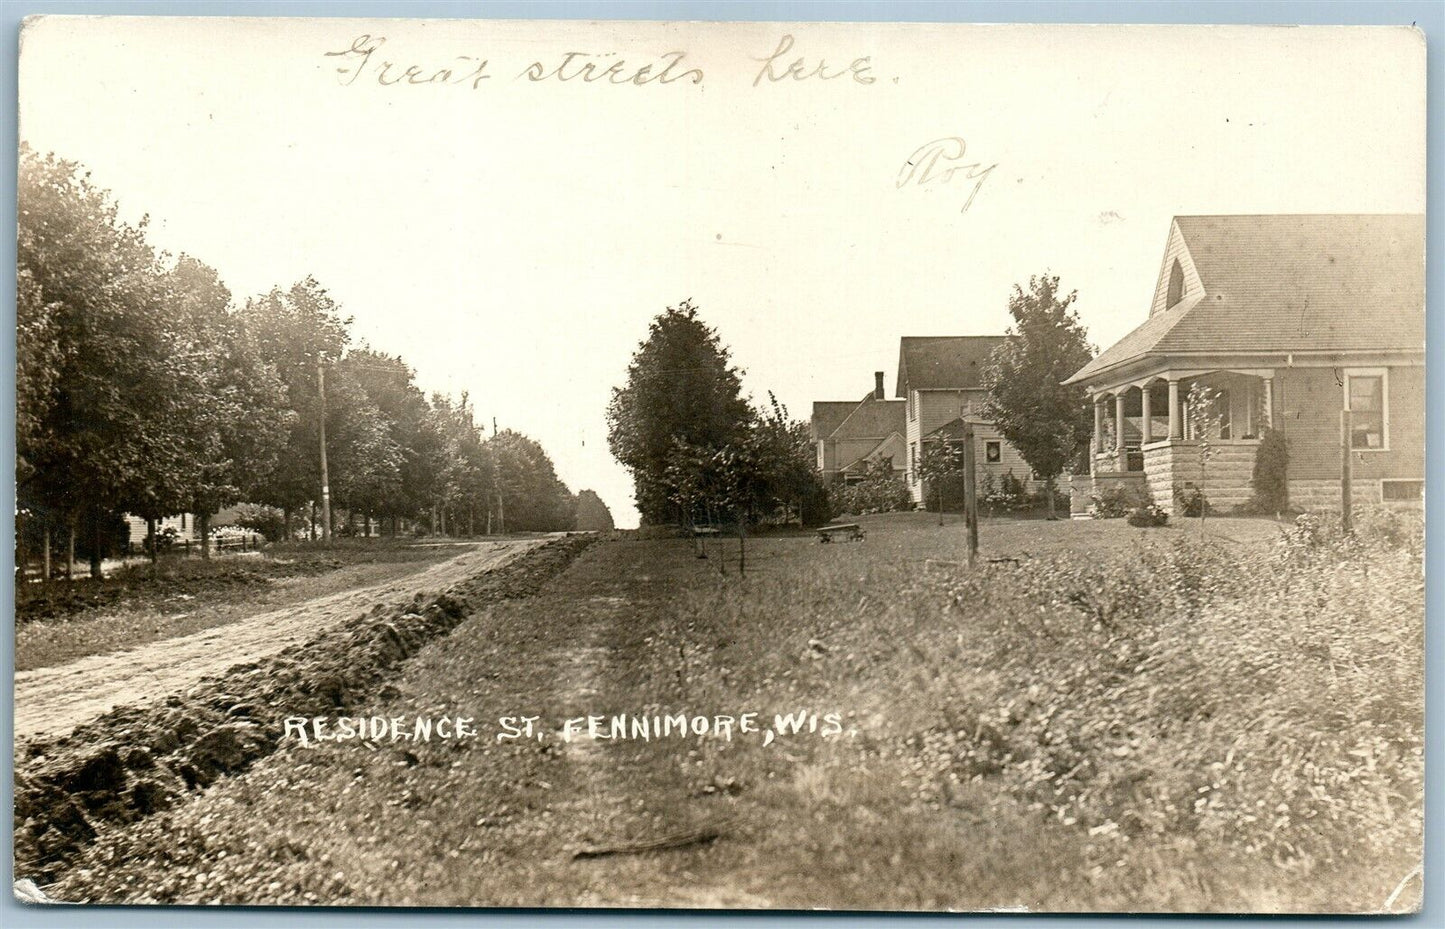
pixel 1192 502
pixel 258 517
pixel 1117 500
pixel 681 387
pixel 880 491
pixel 536 500
pixel 941 469
pixel 1046 420
pixel 590 513
pixel 1147 516
pixel 1271 472
pixel 142 389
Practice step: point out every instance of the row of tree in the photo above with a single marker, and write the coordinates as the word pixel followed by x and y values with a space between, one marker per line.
pixel 699 453
pixel 143 388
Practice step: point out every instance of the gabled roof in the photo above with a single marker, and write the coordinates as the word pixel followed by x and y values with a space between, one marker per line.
pixel 862 459
pixel 951 431
pixel 954 362
pixel 1290 283
pixel 871 418
pixel 828 415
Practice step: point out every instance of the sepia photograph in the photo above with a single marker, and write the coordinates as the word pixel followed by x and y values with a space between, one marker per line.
pixel 858 466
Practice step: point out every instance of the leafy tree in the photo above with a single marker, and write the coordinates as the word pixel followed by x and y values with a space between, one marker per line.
pixel 591 513
pixel 389 385
pixel 535 498
pixel 680 385
pixel 238 414
pixel 298 332
pixel 1046 420
pixel 101 424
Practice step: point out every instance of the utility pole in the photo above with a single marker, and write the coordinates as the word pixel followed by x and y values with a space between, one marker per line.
pixel 325 477
pixel 497 486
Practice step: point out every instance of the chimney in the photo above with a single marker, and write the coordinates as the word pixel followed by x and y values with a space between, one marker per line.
pixel 877 385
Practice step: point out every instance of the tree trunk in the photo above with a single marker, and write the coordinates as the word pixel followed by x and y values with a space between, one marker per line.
pixel 70 553
pixel 45 559
pixel 155 543
pixel 286 523
pixel 742 546
pixel 313 521
pixel 95 547
pixel 471 520
pixel 1049 489
pixel 203 525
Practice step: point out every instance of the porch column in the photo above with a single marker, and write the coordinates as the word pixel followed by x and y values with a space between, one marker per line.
pixel 1098 425
pixel 1174 431
pixel 1269 402
pixel 1144 397
pixel 1119 422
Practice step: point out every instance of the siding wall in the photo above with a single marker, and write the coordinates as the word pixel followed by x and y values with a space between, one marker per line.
pixel 937 408
pixel 1309 401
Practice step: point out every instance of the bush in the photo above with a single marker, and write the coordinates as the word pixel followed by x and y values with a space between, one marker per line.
pixel 1191 501
pixel 1117 500
pixel 267 520
pixel 1271 467
pixel 880 492
pixel 1148 516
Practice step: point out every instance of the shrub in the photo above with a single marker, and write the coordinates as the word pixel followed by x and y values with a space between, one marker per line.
pixel 1271 467
pixel 879 493
pixel 267 520
pixel 1116 500
pixel 1191 501
pixel 1147 516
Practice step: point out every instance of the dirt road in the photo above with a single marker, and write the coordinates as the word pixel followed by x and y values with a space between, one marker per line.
pixel 52 701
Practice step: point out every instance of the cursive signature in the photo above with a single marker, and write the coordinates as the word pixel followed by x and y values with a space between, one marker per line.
pixel 938 161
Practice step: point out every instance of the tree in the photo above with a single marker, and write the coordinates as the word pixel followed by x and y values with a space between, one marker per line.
pixel 389 386
pixel 1046 420
pixel 102 422
pixel 238 418
pixel 298 332
pixel 591 513
pixel 680 385
pixel 1201 411
pixel 536 499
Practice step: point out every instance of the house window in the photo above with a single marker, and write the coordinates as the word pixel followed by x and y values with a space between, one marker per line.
pixel 913 404
pixel 1365 398
pixel 1394 489
pixel 992 452
pixel 1176 285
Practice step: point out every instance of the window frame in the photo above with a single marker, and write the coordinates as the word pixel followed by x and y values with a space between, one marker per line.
pixel 1384 375
pixel 993 445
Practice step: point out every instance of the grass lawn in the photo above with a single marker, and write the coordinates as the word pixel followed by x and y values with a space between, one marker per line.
pixel 1125 719
pixel 131 607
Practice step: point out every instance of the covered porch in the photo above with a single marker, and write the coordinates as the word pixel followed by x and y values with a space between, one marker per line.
pixel 1150 433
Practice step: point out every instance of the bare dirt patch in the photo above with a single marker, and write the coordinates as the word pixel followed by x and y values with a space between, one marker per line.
pixel 52 700
pixel 137 760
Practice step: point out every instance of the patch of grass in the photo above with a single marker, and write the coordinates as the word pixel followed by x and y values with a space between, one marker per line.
pixel 1120 719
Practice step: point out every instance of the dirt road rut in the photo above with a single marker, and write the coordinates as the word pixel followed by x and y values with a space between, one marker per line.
pixel 52 701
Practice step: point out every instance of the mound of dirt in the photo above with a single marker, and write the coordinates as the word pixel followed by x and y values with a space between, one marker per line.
pixel 135 760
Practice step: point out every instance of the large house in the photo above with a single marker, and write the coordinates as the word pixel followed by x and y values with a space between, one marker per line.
pixel 852 436
pixel 940 379
pixel 1288 320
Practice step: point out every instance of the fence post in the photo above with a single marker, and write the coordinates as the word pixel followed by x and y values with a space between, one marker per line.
pixel 1347 521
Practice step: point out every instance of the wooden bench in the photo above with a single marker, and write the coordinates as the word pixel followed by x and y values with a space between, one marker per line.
pixel 850 532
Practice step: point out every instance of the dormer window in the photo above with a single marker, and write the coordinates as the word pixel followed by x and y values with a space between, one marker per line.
pixel 1176 285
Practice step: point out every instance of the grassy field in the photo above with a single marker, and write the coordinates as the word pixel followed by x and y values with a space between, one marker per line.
pixel 67 621
pixel 1122 719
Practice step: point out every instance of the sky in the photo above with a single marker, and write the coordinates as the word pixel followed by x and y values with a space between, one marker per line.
pixel 512 238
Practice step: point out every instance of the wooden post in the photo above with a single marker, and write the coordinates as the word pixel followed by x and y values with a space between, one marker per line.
pixel 970 493
pixel 1347 522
